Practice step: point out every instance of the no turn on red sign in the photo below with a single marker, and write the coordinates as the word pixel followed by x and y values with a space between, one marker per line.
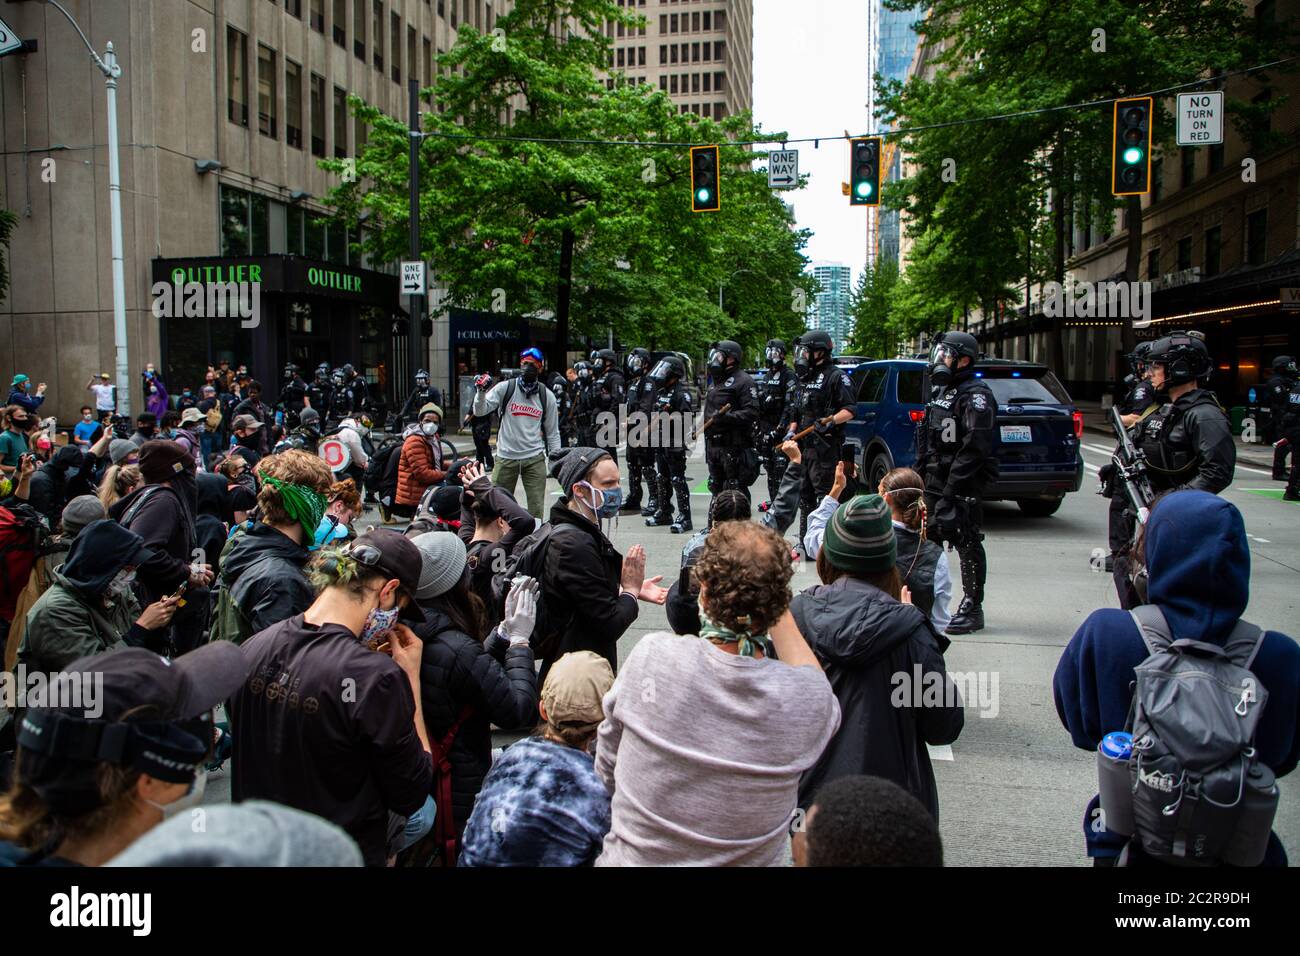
pixel 1200 119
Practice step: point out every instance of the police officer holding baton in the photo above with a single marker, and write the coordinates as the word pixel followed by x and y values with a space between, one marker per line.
pixel 824 401
pixel 955 457
pixel 730 412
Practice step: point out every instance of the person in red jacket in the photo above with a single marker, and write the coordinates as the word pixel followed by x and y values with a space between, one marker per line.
pixel 420 463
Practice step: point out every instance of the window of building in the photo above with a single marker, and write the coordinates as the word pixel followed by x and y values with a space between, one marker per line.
pixel 1153 264
pixel 236 76
pixel 294 7
pixel 718 47
pixel 663 23
pixel 663 81
pixel 1263 123
pixel 718 84
pixel 708 109
pixel 395 45
pixel 1188 157
pixel 314 235
pixel 1257 237
pixel 340 123
pixel 663 54
pixel 695 53
pixel 377 35
pixel 1216 158
pixel 339 23
pixel 695 82
pixel 708 15
pixel 1184 253
pixel 640 56
pixel 259 227
pixel 359 29
pixel 708 52
pixel 708 79
pixel 672 53
pixel 428 69
pixel 318 15
pixel 672 23
pixel 235 239
pixel 266 91
pixel 719 20
pixel 719 111
pixel 622 29
pixel 672 83
pixel 442 9
pixel 695 23
pixel 358 132
pixel 619 58
pixel 293 104
pixel 453 14
pixel 317 115
pixel 293 218
pixel 1213 246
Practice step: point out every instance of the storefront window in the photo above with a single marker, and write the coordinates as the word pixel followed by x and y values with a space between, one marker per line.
pixel 314 240
pixel 336 246
pixel 261 225
pixel 234 222
pixel 293 230
pixel 375 328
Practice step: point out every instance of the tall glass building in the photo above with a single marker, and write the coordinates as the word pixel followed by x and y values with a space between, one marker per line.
pixel 895 46
pixel 830 307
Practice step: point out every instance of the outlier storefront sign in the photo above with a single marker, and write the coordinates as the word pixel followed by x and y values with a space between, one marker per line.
pixel 285 274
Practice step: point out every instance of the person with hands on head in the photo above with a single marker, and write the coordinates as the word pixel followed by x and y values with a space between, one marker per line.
pixel 347 740
pixel 492 523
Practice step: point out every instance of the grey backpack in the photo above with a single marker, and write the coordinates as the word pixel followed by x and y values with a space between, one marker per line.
pixel 1201 797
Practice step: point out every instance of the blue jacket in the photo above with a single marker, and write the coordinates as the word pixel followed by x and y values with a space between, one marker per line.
pixel 18 396
pixel 1199 566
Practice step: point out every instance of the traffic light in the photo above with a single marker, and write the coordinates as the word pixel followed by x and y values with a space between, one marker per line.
pixel 864 171
pixel 1131 147
pixel 704 179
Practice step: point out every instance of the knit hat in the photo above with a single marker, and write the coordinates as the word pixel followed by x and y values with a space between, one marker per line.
pixel 120 448
pixel 446 502
pixel 443 562
pixel 430 407
pixel 161 460
pixel 81 511
pixel 860 536
pixel 573 467
pixel 575 687
pixel 309 416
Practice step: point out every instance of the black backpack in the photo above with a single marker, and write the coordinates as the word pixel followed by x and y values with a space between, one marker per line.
pixel 377 470
pixel 529 558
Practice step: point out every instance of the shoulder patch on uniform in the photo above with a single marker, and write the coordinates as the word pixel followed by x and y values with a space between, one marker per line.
pixel 729 382
pixel 978 401
pixel 845 377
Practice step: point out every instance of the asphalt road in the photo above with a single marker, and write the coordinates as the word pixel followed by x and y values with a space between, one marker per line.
pixel 1013 788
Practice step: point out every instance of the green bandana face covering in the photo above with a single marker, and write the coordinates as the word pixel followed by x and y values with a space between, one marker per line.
pixel 746 643
pixel 302 504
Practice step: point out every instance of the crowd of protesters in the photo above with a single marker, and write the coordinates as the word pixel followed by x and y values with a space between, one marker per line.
pixel 349 677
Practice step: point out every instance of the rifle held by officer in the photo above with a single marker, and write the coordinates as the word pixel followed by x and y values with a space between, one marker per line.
pixel 1131 469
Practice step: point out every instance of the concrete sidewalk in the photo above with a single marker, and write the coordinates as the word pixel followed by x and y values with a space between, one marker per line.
pixel 1096 421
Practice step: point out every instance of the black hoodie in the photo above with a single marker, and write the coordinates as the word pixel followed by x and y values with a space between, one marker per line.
pixel 880 657
pixel 48 491
pixel 262 568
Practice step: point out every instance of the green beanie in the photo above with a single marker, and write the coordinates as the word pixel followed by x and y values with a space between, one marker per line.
pixel 860 536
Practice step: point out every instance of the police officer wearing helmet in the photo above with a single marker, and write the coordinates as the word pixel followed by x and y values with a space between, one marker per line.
pixel 642 391
pixel 584 404
pixel 608 392
pixel 729 440
pixel 320 390
pixel 1139 400
pixel 293 397
pixel 1289 422
pixel 1277 391
pixel 775 399
pixel 670 412
pixel 955 457
pixel 421 395
pixel 824 401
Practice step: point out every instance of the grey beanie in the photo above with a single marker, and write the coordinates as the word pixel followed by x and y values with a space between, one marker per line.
pixel 573 467
pixel 119 448
pixel 253 833
pixel 443 561
pixel 81 511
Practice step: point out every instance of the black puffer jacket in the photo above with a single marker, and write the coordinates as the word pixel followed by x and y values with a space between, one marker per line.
pixel 457 671
pixel 263 569
pixel 864 638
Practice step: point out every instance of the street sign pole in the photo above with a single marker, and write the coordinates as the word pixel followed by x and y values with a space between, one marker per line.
pixel 417 349
pixel 123 370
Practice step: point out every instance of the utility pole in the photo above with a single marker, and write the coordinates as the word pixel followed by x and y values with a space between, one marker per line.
pixel 417 349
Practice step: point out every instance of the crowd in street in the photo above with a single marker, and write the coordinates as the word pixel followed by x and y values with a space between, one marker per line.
pixel 212 568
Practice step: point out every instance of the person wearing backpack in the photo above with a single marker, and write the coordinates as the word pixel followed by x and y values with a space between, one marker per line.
pixel 262 577
pixel 1198 560
pixel 529 432
pixel 465 686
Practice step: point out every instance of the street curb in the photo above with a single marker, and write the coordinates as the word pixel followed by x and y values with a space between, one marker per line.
pixel 1241 459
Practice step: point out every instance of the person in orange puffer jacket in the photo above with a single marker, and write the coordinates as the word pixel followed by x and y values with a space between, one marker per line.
pixel 420 464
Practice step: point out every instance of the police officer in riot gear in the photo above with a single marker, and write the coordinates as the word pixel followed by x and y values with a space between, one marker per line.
pixel 305 437
pixel 822 392
pixel 564 392
pixel 608 392
pixel 642 391
pixel 1277 391
pixel 1289 423
pixel 421 395
pixel 729 438
pixel 955 457
pixel 584 405
pixel 293 397
pixel 342 404
pixel 775 398
pixel 320 390
pixel 1139 400
pixel 670 415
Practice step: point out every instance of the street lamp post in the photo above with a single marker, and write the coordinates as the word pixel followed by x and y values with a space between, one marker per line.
pixel 108 65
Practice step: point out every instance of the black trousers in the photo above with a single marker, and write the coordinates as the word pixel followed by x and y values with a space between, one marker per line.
pixel 819 461
pixel 774 463
pixel 728 468
pixel 641 465
pixel 968 539
pixel 670 464
pixel 483 447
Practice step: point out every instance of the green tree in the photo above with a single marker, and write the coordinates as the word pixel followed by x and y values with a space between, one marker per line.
pixel 871 306
pixel 8 220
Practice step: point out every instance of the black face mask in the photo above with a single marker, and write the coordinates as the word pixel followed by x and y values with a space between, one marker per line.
pixel 146 430
pixel 528 373
pixel 940 375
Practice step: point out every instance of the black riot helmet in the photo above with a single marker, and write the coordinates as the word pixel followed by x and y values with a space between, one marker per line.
pixel 637 361
pixel 349 372
pixel 290 372
pixel 1184 356
pixel 339 376
pixel 584 371
pixel 813 349
pixel 724 352
pixel 775 353
pixel 322 372
pixel 607 357
pixel 668 369
pixel 1285 365
pixel 422 378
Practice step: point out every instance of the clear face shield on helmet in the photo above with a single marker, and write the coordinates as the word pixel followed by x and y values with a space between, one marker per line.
pixel 717 358
pixel 774 355
pixel 635 363
pixel 422 381
pixel 663 371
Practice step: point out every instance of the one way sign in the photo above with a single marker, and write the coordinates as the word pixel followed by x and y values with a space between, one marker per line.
pixel 783 168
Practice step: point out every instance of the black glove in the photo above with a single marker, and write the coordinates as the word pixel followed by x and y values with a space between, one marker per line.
pixel 947 521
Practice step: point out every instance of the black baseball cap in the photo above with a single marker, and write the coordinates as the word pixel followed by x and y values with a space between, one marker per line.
pixel 392 553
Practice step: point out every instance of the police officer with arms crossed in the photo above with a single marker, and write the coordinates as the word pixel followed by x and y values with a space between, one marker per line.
pixel 608 392
pixel 823 391
pixel 775 398
pixel 642 390
pixel 671 414
pixel 729 438
pixel 1139 401
pixel 955 457
pixel 1277 391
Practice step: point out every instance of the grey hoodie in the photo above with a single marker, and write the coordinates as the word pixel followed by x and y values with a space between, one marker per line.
pixel 524 418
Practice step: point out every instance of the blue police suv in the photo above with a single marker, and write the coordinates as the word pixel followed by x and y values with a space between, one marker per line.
pixel 1036 441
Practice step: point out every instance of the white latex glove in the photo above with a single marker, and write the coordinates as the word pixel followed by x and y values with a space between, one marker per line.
pixel 521 610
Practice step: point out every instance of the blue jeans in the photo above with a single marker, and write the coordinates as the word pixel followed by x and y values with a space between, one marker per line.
pixel 418 825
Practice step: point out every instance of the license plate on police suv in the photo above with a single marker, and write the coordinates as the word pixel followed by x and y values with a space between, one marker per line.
pixel 1016 433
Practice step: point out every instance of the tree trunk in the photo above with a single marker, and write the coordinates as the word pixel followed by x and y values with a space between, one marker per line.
pixel 1132 265
pixel 1055 332
pixel 562 292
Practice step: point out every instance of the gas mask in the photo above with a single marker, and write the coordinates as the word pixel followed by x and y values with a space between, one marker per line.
pixel 774 357
pixel 662 372
pixel 942 358
pixel 717 360
pixel 635 363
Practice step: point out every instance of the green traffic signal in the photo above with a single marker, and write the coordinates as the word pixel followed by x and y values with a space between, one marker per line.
pixel 1131 146
pixel 864 189
pixel 702 196
pixel 1132 155
pixel 705 191
pixel 864 170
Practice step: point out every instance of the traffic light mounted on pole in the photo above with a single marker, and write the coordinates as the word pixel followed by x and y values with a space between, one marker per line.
pixel 864 171
pixel 704 179
pixel 1131 147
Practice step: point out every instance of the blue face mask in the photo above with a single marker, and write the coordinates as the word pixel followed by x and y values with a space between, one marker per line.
pixel 329 530
pixel 610 501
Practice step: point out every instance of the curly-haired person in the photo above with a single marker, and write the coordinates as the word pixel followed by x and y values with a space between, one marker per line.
pixel 705 737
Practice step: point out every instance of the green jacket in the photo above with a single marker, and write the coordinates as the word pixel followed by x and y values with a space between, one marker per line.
pixel 66 624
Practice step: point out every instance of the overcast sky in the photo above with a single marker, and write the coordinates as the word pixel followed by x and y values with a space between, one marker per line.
pixel 810 79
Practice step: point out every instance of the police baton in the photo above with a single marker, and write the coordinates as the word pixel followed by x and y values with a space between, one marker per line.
pixel 713 418
pixel 809 430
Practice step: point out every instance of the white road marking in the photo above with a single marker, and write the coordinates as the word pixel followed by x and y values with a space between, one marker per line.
pixel 1109 451
pixel 941 752
pixel 1260 540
